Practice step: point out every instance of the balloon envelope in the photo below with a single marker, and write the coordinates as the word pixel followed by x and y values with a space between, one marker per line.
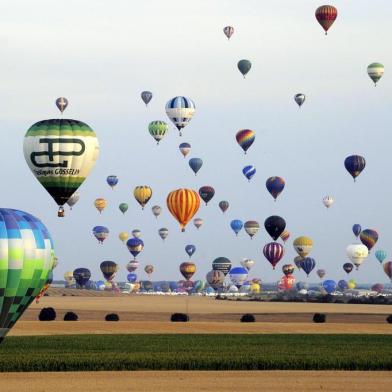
pixel 369 238
pixel 112 181
pixel 81 276
pixel 206 193
pixel 109 269
pixel 180 110
pixel 375 72
pixel 236 225
pixel 275 226
pixel 135 246
pixel 228 31
pixel 244 66
pixel 326 16
pixel 357 229
pixel 238 276
pixel 308 264
pixel 299 99
pixel 275 186
pixel 187 269
pixel 223 205
pixel 146 96
pixel 195 164
pixel 222 264
pixel 245 138
pixel 61 104
pixel 190 250
pixel 273 252
pixel 355 164
pixel 329 286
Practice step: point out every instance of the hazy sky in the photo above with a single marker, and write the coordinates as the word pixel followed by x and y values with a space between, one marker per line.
pixel 102 54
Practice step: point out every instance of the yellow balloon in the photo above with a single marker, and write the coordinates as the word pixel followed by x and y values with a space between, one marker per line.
pixel 142 194
pixel 303 245
pixel 351 284
pixel 100 204
pixel 123 236
pixel 255 288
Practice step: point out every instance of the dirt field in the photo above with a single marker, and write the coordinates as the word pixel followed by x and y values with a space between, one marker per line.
pixel 173 381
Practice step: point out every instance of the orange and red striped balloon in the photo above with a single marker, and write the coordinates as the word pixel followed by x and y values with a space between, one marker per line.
pixel 183 204
pixel 326 16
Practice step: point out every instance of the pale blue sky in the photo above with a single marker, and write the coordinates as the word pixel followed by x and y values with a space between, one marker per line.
pixel 102 54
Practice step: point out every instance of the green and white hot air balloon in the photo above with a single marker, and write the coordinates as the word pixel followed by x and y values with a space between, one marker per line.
pixel 158 130
pixel 375 72
pixel 61 154
pixel 26 261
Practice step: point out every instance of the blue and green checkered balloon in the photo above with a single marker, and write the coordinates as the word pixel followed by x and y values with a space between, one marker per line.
pixel 26 259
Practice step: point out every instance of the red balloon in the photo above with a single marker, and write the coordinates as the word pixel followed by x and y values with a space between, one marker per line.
pixel 273 252
pixel 326 16
pixel 287 282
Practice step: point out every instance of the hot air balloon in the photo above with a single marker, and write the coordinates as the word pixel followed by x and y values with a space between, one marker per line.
pixel 195 164
pixel 146 96
pixel 354 164
pixel 142 194
pixel 321 273
pixel 236 225
pixel 244 66
pixel 222 264
pixel 238 276
pixel 348 267
pixel 288 269
pixel 303 246
pixel 342 284
pixel 101 233
pixel 351 284
pixel 223 205
pixel 73 199
pixel 109 269
pixel 133 265
pixel 215 279
pixel 131 277
pixel 190 250
pixel 199 286
pixel 298 261
pixel 308 264
pixel 245 138
pixel 183 204
pixel 329 286
pixel 135 246
pixel 187 269
pixel 273 252
pixel 357 230
pixel 149 269
pixel 62 104
pixel 375 72
pixel 55 262
pixel 158 130
pixel 206 193
pixel 285 236
pixel 69 279
pixel 251 228
pixel 136 233
pixel 63 158
pixel 156 210
pixel 81 276
pixel 328 201
pixel 123 236
pixel 388 269
pixel 247 263
pixel 275 226
pixel 228 31
pixel 112 181
pixel 180 110
pixel 275 186
pixel 378 287
pixel 286 283
pixel 357 253
pixel 163 233
pixel 198 222
pixel 299 99
pixel 123 207
pixel 27 257
pixel 100 204
pixel 249 171
pixel 326 16
pixel 369 238
pixel 381 255
pixel 185 149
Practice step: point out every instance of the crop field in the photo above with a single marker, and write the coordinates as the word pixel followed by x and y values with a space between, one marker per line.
pixel 196 352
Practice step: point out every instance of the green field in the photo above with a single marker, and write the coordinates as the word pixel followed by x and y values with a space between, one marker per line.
pixel 196 352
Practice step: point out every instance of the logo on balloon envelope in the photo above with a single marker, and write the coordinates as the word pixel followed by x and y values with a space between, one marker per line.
pixel 51 152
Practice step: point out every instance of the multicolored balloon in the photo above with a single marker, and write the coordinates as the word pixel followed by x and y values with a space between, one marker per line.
pixel 228 31
pixel 206 193
pixel 195 164
pixel 236 225
pixel 299 99
pixel 326 16
pixel 375 72
pixel 369 238
pixel 136 233
pixel 146 97
pixel 135 246
pixel 222 264
pixel 100 233
pixel 109 269
pixel 180 110
pixel 142 194
pixel 188 269
pixel 27 257
pixel 133 265
pixel 251 228
pixel 215 279
pixel 244 67
pixel 63 158
pixel 273 252
pixel 275 186
pixel 238 276
pixel 288 269
pixel 158 130
pixel 285 236
pixel 245 138
pixel 224 205
pixel 249 171
pixel 355 164
pixel 62 104
pixel 100 204
pixel 185 149
pixel 81 276
pixel 275 225
pixel 303 246
pixel 298 261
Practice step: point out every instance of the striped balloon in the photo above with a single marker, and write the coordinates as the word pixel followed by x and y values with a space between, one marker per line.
pixel 369 238
pixel 245 138
pixel 180 110
pixel 157 130
pixel 188 269
pixel 326 16
pixel 184 148
pixel 142 194
pixel 354 164
pixel 27 257
pixel 285 235
pixel 251 228
pixel 249 171
pixel 183 204
pixel 135 246
pixel 100 233
pixel 375 72
pixel 273 252
pixel 100 204
pixel 308 264
pixel 275 186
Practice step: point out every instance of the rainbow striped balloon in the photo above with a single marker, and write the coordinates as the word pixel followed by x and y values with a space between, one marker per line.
pixel 245 138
